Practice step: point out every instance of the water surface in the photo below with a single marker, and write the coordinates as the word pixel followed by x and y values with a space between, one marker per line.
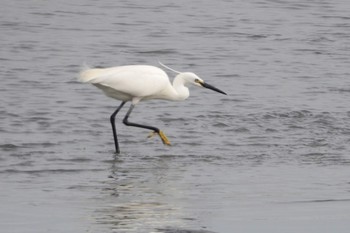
pixel 272 156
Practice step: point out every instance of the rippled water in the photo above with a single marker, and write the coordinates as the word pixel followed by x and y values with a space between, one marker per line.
pixel 272 156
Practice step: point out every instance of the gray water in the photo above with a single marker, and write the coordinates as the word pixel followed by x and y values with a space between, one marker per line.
pixel 271 156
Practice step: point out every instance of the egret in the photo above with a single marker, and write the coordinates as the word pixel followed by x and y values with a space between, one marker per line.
pixel 137 83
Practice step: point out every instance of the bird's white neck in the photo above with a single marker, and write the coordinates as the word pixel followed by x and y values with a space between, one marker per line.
pixel 177 91
pixel 180 88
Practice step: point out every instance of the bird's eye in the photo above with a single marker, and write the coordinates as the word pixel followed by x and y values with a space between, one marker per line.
pixel 196 80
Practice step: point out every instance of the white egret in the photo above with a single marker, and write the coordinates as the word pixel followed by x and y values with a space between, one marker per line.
pixel 137 83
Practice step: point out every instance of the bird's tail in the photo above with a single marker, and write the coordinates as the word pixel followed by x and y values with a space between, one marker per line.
pixel 87 74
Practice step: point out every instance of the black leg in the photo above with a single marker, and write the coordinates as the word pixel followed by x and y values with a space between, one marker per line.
pixel 126 122
pixel 156 130
pixel 114 129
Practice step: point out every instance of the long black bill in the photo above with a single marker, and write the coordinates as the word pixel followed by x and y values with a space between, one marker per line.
pixel 206 85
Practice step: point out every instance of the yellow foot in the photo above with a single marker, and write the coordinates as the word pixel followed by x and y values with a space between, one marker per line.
pixel 162 136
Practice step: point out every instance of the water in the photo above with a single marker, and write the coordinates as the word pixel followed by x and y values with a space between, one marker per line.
pixel 272 156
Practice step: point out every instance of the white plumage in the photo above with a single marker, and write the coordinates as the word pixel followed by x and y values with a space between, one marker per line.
pixel 126 82
pixel 137 82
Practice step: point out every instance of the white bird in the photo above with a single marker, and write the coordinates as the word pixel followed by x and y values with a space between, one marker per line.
pixel 137 83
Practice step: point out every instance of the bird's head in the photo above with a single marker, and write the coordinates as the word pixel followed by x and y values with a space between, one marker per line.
pixel 197 81
pixel 191 78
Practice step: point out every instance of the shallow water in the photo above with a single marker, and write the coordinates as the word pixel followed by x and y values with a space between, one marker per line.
pixel 272 156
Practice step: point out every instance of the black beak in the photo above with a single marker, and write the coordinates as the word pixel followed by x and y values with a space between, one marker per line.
pixel 206 85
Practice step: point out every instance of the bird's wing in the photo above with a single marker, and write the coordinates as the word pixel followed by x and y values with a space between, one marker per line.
pixel 138 81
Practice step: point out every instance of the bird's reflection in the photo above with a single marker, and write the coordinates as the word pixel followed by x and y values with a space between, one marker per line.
pixel 141 195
